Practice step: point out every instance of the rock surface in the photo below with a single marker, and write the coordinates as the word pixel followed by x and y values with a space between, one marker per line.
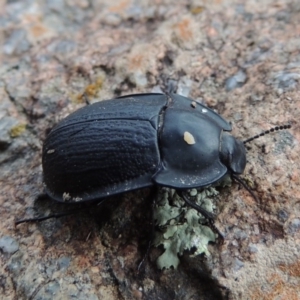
pixel 241 58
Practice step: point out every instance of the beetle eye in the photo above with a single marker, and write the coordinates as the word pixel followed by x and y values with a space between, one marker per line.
pixel 233 153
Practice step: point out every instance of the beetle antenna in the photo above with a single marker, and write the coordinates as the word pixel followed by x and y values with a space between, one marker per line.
pixel 273 129
pixel 244 184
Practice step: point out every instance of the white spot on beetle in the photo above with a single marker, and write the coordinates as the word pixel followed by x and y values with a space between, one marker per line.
pixel 77 199
pixel 50 151
pixel 66 196
pixel 204 110
pixel 189 138
pixel 194 104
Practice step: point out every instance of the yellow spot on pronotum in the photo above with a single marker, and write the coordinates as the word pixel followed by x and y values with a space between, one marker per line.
pixel 189 138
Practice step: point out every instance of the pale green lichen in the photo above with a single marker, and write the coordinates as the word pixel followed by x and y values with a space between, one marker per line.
pixel 181 227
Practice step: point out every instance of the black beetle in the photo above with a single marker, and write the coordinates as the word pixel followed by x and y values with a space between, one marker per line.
pixel 137 141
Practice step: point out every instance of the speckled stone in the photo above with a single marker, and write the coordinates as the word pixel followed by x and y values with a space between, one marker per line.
pixel 8 244
pixel 241 58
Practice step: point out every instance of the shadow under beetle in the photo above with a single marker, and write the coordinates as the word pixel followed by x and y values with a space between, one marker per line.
pixel 138 141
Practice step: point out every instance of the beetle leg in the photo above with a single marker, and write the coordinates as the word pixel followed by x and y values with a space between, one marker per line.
pixel 201 210
pixel 86 99
pixel 153 196
pixel 209 216
pixel 59 215
pixel 217 231
pixel 244 184
pixel 39 219
pixel 171 86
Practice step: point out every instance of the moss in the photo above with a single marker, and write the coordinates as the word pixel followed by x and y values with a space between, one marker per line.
pixel 90 91
pixel 17 130
pixel 196 10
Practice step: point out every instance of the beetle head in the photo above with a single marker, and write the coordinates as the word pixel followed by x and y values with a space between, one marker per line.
pixel 233 153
